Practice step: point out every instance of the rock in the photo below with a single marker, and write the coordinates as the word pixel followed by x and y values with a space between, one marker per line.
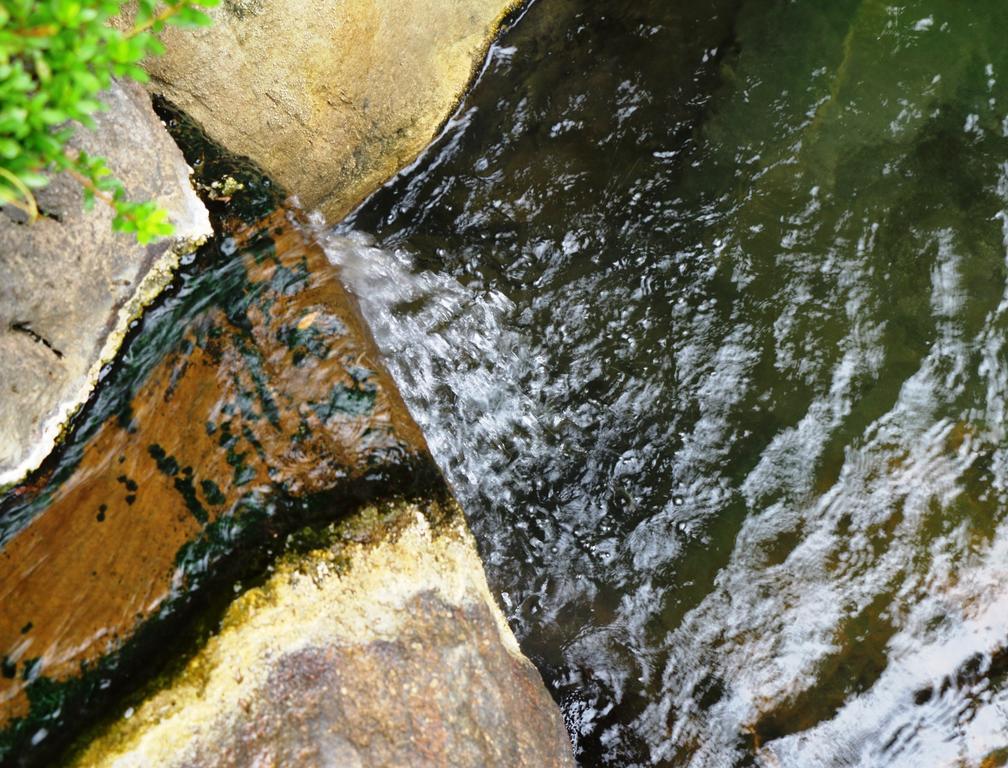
pixel 260 394
pixel 383 649
pixel 329 97
pixel 71 285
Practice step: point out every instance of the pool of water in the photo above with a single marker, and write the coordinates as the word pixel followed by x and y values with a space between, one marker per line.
pixel 703 308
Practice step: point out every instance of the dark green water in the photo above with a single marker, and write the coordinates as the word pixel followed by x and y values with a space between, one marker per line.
pixel 704 310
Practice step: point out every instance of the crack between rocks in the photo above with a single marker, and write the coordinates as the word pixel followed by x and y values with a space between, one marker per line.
pixel 23 327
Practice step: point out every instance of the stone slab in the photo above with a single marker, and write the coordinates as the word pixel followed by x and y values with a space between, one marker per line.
pixel 383 649
pixel 330 97
pixel 72 286
pixel 269 388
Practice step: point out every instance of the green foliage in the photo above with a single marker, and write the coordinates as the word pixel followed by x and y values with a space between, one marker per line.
pixel 55 57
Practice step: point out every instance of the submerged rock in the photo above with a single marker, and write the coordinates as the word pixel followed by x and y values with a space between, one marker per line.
pixel 330 98
pixel 72 286
pixel 384 648
pixel 268 397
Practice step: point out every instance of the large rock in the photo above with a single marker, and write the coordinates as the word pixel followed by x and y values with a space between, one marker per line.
pixel 252 407
pixel 383 649
pixel 71 285
pixel 330 97
pixel 254 391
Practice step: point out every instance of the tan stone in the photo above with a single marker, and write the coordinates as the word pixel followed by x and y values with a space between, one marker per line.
pixel 71 285
pixel 382 652
pixel 330 97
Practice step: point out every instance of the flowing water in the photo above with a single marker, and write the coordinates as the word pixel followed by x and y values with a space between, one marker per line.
pixel 703 308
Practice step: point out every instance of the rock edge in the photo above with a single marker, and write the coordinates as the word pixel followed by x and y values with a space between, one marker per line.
pixel 379 650
pixel 73 286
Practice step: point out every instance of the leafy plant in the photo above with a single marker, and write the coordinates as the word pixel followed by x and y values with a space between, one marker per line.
pixel 56 56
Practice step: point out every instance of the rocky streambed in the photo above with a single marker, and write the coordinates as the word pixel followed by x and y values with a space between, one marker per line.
pixel 700 308
pixel 250 410
pixel 242 551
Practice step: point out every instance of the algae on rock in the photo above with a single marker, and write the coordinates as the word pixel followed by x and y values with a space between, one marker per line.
pixel 257 390
pixel 375 650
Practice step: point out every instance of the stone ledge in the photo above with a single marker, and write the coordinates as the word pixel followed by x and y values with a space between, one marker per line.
pixel 73 286
pixel 380 652
pixel 350 93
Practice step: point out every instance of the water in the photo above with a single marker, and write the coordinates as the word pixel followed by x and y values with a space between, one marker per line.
pixel 703 308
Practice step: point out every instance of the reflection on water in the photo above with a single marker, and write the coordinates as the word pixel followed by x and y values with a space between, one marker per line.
pixel 703 308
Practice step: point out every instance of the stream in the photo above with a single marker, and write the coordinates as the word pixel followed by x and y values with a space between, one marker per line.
pixel 703 309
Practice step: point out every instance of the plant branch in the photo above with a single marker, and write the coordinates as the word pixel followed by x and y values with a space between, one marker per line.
pixel 165 14
pixel 93 188
pixel 28 206
pixel 46 30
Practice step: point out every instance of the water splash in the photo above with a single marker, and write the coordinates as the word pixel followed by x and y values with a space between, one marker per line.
pixel 459 368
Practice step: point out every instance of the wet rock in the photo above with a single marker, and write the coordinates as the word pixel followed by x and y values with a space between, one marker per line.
pixel 270 395
pixel 384 648
pixel 71 285
pixel 330 98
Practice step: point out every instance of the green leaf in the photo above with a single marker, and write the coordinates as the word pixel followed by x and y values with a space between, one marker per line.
pixel 85 80
pixel 9 149
pixel 190 17
pixel 33 180
pixel 42 68
pixel 53 116
pixel 50 80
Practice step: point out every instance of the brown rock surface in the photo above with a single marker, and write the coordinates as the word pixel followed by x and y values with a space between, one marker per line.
pixel 386 651
pixel 71 285
pixel 329 97
pixel 281 394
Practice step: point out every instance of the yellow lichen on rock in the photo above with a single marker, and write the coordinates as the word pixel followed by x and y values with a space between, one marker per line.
pixel 368 653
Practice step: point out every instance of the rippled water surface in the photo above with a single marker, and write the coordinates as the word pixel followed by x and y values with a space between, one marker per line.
pixel 703 307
